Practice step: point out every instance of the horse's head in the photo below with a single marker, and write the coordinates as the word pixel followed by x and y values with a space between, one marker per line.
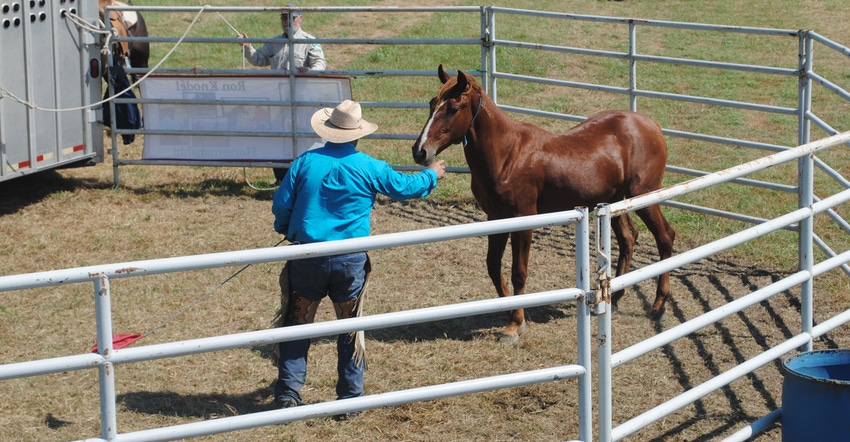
pixel 119 50
pixel 452 113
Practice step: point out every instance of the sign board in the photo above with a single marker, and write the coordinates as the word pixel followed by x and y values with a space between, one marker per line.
pixel 229 118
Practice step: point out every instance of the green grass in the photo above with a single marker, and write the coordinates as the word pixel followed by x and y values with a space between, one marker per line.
pixel 176 211
pixel 660 41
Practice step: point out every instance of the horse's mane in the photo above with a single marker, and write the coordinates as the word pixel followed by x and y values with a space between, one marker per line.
pixel 473 84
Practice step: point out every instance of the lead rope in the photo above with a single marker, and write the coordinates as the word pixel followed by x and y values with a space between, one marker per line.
pixel 197 301
pixel 477 111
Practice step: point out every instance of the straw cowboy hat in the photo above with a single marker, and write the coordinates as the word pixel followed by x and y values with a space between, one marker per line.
pixel 342 123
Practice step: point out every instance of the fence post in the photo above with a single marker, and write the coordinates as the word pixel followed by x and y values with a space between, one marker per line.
pixel 804 88
pixel 103 313
pixel 805 187
pixel 111 92
pixel 485 47
pixel 491 23
pixel 603 311
pixel 585 394
pixel 632 66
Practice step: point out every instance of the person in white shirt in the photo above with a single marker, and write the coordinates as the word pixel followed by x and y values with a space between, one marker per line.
pixel 306 56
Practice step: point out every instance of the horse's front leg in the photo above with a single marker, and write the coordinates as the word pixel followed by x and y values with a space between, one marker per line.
pixel 495 250
pixel 496 245
pixel 520 247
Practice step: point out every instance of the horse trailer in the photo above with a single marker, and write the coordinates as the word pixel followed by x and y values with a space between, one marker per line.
pixel 50 86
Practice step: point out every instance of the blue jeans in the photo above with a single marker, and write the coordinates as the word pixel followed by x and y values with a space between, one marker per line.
pixel 341 278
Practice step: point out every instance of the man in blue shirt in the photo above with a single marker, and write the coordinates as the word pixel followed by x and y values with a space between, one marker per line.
pixel 326 195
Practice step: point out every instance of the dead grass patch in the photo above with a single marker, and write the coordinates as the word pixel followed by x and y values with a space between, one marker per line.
pixel 71 218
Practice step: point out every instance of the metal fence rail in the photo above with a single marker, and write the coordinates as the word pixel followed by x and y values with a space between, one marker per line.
pixel 803 278
pixel 491 73
pixel 799 220
pixel 107 357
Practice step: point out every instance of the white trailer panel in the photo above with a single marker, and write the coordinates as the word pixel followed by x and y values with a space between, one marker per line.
pixel 52 66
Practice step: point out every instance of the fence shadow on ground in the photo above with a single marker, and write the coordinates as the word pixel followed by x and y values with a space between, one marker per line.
pixel 685 364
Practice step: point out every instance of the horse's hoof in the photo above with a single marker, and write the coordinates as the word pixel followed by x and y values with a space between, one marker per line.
pixel 508 339
pixel 511 337
pixel 658 315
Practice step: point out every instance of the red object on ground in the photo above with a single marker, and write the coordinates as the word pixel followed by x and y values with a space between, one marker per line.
pixel 121 341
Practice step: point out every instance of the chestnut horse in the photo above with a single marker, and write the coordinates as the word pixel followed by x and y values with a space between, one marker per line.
pixel 127 24
pixel 519 169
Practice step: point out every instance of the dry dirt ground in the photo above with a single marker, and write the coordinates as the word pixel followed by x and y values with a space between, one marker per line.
pixel 75 217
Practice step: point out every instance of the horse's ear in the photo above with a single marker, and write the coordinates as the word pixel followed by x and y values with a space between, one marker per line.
pixel 444 77
pixel 462 82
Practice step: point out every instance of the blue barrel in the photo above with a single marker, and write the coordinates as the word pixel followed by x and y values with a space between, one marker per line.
pixel 816 397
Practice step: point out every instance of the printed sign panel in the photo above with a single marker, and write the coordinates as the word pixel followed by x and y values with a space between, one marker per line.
pixel 226 118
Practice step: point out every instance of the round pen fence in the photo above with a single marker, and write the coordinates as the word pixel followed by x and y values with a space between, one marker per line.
pixel 816 190
pixel 107 358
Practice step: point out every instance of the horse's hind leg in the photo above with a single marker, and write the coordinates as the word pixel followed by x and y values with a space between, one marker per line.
pixel 626 234
pixel 664 237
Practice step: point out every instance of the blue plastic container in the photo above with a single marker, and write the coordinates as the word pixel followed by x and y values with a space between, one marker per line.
pixel 816 397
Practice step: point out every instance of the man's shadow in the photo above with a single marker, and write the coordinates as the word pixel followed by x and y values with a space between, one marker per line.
pixel 205 406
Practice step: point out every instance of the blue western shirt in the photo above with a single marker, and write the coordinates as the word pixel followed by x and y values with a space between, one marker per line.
pixel 328 193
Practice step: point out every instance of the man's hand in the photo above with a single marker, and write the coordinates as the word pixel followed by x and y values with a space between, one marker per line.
pixel 245 44
pixel 439 167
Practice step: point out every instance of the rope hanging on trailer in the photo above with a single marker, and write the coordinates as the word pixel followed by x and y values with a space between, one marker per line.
pixel 83 24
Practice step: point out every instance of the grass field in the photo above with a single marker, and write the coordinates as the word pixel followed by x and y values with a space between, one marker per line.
pixel 76 217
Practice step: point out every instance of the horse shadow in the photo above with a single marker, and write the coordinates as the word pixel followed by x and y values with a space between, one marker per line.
pixel 466 329
pixel 487 326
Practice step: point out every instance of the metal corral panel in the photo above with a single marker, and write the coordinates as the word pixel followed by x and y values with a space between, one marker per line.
pixel 46 61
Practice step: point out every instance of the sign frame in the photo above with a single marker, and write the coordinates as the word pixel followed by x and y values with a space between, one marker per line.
pixel 235 118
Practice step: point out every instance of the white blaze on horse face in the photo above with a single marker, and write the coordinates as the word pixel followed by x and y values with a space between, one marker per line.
pixel 427 129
